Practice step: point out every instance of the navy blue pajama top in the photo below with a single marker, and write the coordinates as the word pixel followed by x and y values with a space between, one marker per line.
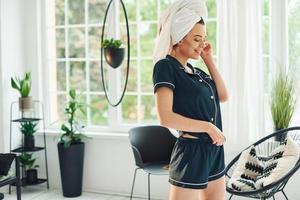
pixel 194 95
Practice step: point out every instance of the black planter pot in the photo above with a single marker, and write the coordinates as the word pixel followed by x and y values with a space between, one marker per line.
pixel 114 56
pixel 31 176
pixel 280 137
pixel 71 168
pixel 29 141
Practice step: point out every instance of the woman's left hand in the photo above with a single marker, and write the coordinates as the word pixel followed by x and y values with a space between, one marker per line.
pixel 206 52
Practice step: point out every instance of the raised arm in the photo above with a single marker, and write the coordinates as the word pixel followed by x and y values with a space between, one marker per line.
pixel 209 62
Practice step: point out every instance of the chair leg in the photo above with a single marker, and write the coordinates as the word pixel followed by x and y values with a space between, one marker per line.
pixel 18 190
pixel 273 197
pixel 230 196
pixel 18 182
pixel 148 186
pixel 133 182
pixel 284 195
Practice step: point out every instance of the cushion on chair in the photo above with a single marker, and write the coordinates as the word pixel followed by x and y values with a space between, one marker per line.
pixel 254 172
pixel 249 166
pixel 283 159
pixel 5 163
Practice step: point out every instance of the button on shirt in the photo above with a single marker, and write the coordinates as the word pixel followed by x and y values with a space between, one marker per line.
pixel 194 95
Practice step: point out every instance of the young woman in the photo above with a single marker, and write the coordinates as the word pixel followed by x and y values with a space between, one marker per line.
pixel 188 100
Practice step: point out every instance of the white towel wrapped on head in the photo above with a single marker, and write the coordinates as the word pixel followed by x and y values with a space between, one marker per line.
pixel 175 23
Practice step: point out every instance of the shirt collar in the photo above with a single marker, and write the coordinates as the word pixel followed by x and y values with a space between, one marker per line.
pixel 180 65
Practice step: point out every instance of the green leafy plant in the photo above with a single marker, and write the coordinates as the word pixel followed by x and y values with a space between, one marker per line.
pixel 112 43
pixel 282 100
pixel 27 161
pixel 28 128
pixel 72 131
pixel 22 85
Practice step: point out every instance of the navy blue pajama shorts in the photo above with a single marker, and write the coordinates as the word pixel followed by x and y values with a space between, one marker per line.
pixel 195 162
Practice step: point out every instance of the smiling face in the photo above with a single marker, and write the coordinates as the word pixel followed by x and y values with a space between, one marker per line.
pixel 193 43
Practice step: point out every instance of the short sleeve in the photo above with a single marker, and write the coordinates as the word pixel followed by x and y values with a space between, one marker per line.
pixel 163 75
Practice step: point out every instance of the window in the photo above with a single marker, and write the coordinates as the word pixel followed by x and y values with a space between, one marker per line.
pixel 75 28
pixel 74 49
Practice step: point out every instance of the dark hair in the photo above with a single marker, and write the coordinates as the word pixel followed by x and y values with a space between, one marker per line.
pixel 201 21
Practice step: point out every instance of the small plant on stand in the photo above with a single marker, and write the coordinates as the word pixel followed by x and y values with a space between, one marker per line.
pixel 28 163
pixel 24 87
pixel 28 129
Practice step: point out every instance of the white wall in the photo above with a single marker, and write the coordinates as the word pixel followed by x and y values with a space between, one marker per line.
pixel 12 58
pixel 32 42
pixel 1 88
pixel 108 168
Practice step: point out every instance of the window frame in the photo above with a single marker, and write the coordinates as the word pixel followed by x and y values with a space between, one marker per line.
pixel 115 123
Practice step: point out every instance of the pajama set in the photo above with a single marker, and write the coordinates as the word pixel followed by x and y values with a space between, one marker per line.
pixel 194 162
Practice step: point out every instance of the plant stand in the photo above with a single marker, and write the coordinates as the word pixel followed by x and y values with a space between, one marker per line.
pixel 18 116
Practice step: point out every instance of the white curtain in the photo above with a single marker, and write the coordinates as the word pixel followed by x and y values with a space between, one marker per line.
pixel 240 62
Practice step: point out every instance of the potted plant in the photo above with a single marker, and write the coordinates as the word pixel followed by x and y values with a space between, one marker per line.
pixel 28 129
pixel 71 149
pixel 282 102
pixel 113 52
pixel 28 162
pixel 24 87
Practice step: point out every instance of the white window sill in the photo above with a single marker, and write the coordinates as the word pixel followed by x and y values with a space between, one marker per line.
pixel 92 134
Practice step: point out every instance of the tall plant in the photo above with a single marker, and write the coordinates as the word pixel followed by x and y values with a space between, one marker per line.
pixel 72 131
pixel 22 85
pixel 282 100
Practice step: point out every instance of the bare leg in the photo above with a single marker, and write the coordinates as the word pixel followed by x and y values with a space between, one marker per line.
pixel 216 189
pixel 178 193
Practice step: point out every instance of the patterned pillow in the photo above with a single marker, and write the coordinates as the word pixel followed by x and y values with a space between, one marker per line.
pixel 248 168
pixel 254 172
pixel 280 162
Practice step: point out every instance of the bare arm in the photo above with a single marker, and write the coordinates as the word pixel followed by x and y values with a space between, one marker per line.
pixel 209 62
pixel 167 118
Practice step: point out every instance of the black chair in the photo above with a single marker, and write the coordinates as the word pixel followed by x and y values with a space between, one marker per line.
pixel 5 164
pixel 264 147
pixel 152 147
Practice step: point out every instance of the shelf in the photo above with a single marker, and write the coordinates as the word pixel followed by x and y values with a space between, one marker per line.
pixel 16 119
pixel 24 182
pixel 26 119
pixel 23 149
